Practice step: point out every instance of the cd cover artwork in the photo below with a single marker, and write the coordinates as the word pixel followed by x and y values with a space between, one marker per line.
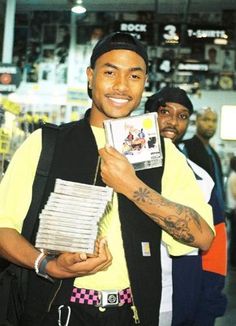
pixel 136 137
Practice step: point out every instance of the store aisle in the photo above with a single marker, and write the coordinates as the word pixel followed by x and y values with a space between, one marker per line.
pixel 230 289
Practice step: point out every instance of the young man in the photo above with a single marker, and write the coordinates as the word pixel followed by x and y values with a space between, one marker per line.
pixel 199 300
pixel 122 285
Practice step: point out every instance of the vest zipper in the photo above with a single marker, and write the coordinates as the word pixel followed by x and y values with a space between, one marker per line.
pixel 135 310
pixel 54 296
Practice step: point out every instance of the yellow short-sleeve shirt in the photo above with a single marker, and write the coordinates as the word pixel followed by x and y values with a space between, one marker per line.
pixel 178 184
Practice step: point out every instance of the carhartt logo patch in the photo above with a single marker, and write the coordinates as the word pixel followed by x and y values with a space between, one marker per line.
pixel 146 249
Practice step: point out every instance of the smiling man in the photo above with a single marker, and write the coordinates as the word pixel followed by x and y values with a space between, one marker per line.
pixel 121 285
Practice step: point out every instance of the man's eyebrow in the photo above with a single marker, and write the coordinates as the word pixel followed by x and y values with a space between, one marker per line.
pixel 110 65
pixel 172 106
pixel 137 69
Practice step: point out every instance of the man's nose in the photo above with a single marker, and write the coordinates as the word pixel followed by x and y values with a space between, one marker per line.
pixel 173 120
pixel 121 83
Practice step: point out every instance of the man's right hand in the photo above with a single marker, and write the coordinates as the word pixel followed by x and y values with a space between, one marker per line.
pixel 79 264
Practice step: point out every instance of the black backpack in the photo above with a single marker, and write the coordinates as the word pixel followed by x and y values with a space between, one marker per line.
pixel 13 278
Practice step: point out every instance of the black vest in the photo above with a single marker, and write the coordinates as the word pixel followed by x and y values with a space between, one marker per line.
pixel 75 159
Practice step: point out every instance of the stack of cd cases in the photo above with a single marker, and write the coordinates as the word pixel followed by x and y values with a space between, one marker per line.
pixel 70 218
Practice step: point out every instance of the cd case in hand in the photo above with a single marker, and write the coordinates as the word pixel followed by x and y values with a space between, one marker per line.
pixel 69 221
pixel 138 138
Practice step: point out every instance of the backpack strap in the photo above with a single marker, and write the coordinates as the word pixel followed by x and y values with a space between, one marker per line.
pixel 49 137
pixel 13 280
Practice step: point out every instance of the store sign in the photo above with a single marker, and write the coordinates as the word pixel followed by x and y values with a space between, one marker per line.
pixel 209 33
pixel 11 106
pixel 194 33
pixel 193 66
pixel 138 30
pixel 4 141
pixel 169 34
pixel 165 65
pixel 10 78
pixel 77 96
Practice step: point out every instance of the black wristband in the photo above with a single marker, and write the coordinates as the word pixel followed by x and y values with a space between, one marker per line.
pixel 42 267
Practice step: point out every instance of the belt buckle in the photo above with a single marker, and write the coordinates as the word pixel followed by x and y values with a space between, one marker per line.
pixel 108 299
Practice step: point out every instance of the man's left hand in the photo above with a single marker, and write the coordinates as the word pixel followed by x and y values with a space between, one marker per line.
pixel 116 171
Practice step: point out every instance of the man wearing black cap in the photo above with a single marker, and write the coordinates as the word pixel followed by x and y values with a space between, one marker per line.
pixel 203 275
pixel 121 285
pixel 174 109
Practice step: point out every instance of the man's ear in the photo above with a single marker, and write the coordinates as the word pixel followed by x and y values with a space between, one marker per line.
pixel 89 72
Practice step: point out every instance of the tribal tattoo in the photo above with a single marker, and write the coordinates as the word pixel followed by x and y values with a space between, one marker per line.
pixel 142 195
pixel 177 223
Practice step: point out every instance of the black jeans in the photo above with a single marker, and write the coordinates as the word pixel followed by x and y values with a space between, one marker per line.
pixel 84 315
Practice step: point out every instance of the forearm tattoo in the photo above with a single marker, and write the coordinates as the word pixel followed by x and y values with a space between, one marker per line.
pixel 176 223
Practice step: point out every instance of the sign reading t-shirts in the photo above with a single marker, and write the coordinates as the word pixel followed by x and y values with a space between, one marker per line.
pixel 10 78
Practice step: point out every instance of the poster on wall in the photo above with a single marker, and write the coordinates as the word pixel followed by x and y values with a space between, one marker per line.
pixel 10 78
pixel 228 60
pixel 220 59
pixel 226 81
pixel 227 122
pixel 213 55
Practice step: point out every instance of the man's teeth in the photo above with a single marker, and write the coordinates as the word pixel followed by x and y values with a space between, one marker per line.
pixel 119 100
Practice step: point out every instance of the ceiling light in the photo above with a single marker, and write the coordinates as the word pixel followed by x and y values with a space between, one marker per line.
pixel 220 41
pixel 78 8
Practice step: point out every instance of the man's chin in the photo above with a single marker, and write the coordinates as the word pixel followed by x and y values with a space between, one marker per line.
pixel 118 114
pixel 169 135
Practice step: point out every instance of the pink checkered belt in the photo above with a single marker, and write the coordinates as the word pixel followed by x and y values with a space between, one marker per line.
pixel 109 298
